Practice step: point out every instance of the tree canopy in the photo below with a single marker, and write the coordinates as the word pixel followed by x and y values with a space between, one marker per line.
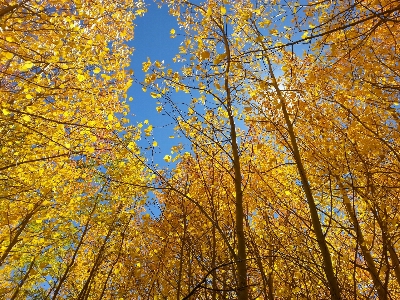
pixel 284 180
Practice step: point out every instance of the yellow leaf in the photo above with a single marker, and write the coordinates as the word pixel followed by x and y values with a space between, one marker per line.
pixel 274 32
pixel 80 77
pixel 28 65
pixel 172 32
pixel 159 108
pixel 167 158
pixel 140 12
pixel 26 118
pixel 128 84
pixel 131 146
pixel 265 23
pixel 5 111
pixel 155 144
pixel 29 96
pixel 29 109
pixel 209 11
pixel 33 271
pixel 305 34
pixel 110 117
pixel 9 55
pixel 90 150
pixel 155 95
pixel 287 193
pixel 219 58
pixel 223 10
pixel 9 39
pixel 97 70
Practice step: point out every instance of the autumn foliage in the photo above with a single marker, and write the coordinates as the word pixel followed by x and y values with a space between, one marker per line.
pixel 284 184
pixel 63 82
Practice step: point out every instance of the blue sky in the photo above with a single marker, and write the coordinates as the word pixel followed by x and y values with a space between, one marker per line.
pixel 152 39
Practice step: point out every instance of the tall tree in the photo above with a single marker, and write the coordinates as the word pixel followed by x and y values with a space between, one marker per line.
pixel 232 52
pixel 62 82
pixel 287 186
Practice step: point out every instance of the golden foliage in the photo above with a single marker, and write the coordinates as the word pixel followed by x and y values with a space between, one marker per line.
pixel 289 186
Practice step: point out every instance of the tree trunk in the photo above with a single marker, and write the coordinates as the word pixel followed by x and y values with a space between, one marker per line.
pixel 326 257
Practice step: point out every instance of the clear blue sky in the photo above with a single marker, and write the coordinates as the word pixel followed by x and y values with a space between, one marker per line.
pixel 152 39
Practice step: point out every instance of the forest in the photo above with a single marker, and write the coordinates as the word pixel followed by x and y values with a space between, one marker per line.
pixel 283 183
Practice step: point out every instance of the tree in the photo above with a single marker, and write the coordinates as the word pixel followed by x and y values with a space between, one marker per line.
pixel 235 49
pixel 287 186
pixel 63 82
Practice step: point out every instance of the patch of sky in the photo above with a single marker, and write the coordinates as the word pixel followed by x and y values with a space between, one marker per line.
pixel 152 40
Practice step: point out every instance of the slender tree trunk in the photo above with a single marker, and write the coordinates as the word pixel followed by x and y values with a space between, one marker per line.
pixel 326 257
pixel 178 294
pixel 271 295
pixel 224 286
pixel 395 261
pixel 393 255
pixel 361 241
pixel 84 293
pixel 26 276
pixel 8 9
pixel 388 243
pixel 260 266
pixel 15 239
pixel 241 264
pixel 116 260
pixel 189 270
pixel 214 273
pixel 242 289
pixel 71 263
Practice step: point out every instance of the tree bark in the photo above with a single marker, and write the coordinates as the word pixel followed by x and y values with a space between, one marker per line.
pixel 326 257
pixel 361 241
